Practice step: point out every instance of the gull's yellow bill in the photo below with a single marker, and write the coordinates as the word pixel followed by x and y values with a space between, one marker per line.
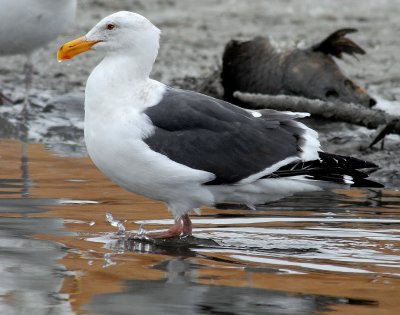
pixel 75 47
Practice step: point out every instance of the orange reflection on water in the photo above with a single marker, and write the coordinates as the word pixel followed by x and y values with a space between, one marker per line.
pixel 99 267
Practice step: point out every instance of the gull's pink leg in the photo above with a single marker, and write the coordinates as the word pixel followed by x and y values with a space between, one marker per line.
pixel 182 227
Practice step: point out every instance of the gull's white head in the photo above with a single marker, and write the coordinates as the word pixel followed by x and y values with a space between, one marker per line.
pixel 122 33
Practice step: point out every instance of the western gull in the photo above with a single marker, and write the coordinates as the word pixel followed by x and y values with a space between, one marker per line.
pixel 27 25
pixel 187 149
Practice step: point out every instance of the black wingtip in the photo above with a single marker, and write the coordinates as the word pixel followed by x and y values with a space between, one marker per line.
pixel 356 168
pixel 347 162
pixel 337 44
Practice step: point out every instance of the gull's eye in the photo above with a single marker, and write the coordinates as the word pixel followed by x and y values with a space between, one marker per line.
pixel 110 26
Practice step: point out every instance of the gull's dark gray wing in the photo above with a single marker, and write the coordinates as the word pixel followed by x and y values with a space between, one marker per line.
pixel 212 135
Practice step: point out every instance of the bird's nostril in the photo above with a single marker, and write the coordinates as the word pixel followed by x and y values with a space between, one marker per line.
pixel 372 102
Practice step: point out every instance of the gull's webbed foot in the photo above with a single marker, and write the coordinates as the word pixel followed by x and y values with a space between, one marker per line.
pixel 181 228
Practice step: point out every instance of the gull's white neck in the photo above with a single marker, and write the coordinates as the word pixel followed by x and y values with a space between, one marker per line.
pixel 125 68
pixel 122 81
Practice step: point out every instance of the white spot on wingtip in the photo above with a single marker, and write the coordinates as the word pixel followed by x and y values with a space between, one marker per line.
pixel 297 114
pixel 256 114
pixel 348 179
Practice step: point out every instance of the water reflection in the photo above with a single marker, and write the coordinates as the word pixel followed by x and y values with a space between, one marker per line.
pixel 180 293
pixel 335 252
pixel 27 183
pixel 30 276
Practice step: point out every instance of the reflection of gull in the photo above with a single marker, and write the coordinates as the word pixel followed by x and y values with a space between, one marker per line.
pixel 31 279
pixel 26 25
pixel 26 181
pixel 180 293
pixel 185 148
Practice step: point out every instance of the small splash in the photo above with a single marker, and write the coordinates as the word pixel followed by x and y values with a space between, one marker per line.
pixel 108 260
pixel 121 228
pixel 141 231
pixel 116 223
pixel 92 223
pixel 197 211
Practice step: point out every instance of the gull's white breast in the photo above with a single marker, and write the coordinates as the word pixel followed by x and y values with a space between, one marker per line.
pixel 115 126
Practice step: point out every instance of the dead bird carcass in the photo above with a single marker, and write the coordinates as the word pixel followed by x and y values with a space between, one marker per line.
pixel 256 67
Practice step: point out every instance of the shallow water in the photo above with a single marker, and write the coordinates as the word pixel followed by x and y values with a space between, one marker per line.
pixel 327 253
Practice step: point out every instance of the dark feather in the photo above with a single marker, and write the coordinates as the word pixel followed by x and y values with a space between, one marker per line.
pixel 208 134
pixel 333 168
pixel 337 44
